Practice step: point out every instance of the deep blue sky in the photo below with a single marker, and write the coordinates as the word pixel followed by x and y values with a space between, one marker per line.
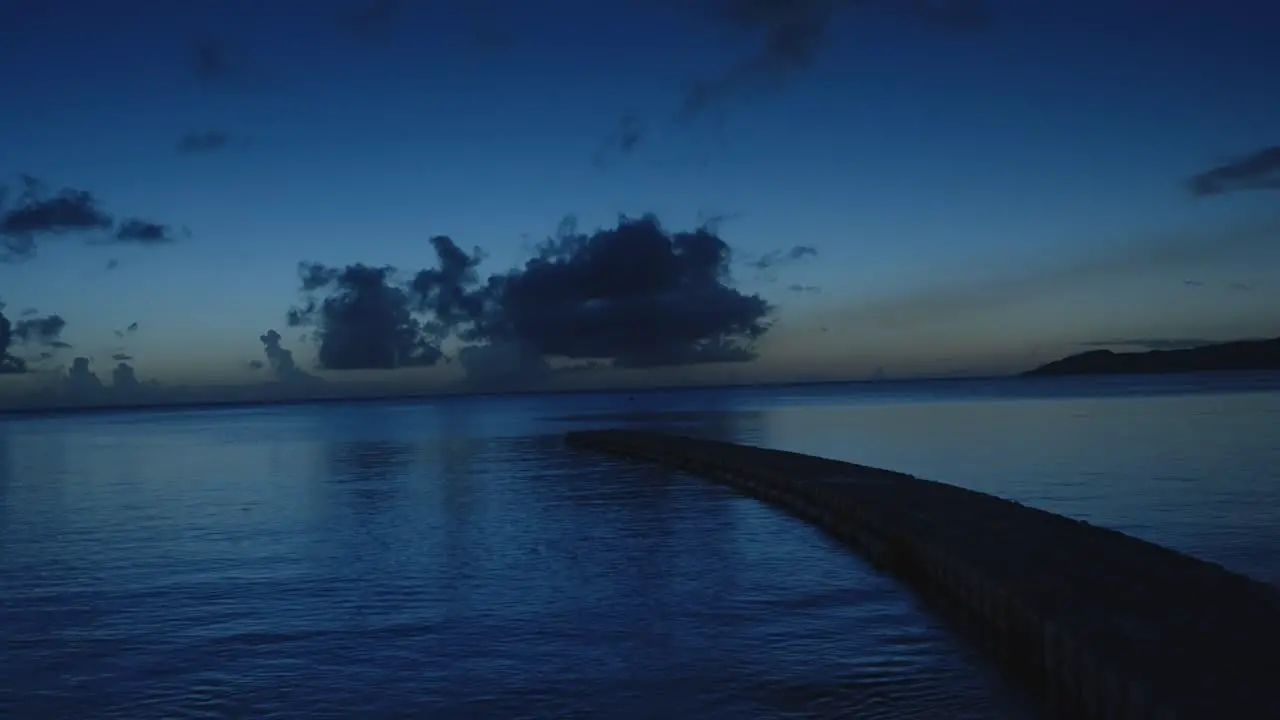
pixel 980 198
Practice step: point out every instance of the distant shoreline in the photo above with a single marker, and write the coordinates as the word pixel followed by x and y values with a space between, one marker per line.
pixel 17 413
pixel 449 396
pixel 1235 356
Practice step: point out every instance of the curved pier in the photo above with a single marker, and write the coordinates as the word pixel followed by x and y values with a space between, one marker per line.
pixel 1109 626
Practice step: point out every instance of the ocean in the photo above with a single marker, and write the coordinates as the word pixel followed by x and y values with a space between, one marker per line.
pixel 450 558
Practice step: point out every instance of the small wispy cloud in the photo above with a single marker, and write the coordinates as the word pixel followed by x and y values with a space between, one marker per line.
pixel 1259 170
pixel 776 258
pixel 204 142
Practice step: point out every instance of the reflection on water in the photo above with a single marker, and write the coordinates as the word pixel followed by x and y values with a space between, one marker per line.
pixel 451 559
pixel 370 473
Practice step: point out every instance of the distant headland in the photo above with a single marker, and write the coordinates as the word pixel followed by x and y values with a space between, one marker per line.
pixel 1237 355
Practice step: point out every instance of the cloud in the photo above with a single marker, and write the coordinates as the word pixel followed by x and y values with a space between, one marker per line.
pixel 625 138
pixel 124 378
pixel 144 232
pixel 363 319
pixel 9 364
pixel 30 330
pixel 797 288
pixel 121 357
pixel 1150 343
pixel 281 361
pixel 372 18
pixel 209 59
pixel 790 36
pixel 632 296
pixel 1259 170
pixel 39 214
pixel 776 258
pixel 256 364
pixel 39 330
pixel 80 379
pixel 204 142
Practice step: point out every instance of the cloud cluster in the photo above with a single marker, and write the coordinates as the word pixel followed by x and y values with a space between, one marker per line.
pixel 82 382
pixel 36 213
pixel 630 296
pixel 364 319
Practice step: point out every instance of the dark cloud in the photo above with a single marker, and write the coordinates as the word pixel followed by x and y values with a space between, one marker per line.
pixel 634 295
pixel 144 232
pixel 29 312
pixel 204 142
pixel 31 330
pixel 9 364
pixel 123 377
pixel 1257 171
pixel 121 357
pixel 39 330
pixel 38 213
pixel 256 364
pixel 281 361
pixel 80 379
pixel 776 258
pixel 363 319
pixel 1150 343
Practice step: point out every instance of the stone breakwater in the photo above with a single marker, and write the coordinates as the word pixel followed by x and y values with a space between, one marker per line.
pixel 1106 625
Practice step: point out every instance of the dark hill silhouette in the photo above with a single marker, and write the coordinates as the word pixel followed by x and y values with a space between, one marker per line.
pixel 1237 355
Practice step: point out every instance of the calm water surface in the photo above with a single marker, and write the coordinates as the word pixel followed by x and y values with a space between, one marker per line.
pixel 451 559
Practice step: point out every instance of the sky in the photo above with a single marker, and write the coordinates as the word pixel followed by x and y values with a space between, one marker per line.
pixel 248 200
